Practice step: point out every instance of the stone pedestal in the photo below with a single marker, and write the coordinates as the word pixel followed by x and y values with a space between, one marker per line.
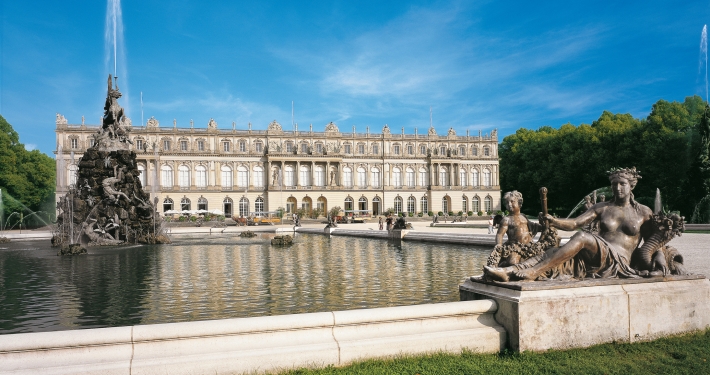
pixel 559 315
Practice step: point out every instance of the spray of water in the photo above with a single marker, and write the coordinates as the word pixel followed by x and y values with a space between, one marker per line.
pixel 115 49
pixel 704 57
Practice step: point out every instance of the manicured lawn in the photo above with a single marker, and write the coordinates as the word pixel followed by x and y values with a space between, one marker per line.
pixel 688 354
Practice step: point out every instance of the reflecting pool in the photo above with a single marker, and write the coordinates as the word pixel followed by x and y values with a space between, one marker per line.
pixel 202 278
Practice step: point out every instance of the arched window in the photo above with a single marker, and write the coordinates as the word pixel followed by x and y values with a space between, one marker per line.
pixel 184 176
pixel 306 204
pixel 464 204
pixel 423 177
pixel 185 204
pixel 488 204
pixel 322 205
pixel 462 177
pixel 319 176
pixel 202 203
pixel 73 169
pixel 348 203
pixel 201 176
pixel 244 207
pixel 242 177
pixel 259 206
pixel 167 204
pixel 347 177
pixel 288 176
pixel 227 205
pixel 376 207
pixel 443 180
pixel 362 204
pixel 376 178
pixel 424 204
pixel 410 177
pixel 227 179
pixel 445 204
pixel 396 177
pixel 258 176
pixel 361 178
pixel 305 176
pixel 166 176
pixel 397 205
pixel 486 177
pixel 475 204
pixel 141 175
pixel 291 204
pixel 474 179
pixel 411 204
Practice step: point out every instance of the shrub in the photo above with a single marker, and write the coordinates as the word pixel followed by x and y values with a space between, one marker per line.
pixel 469 213
pixel 411 214
pixel 460 213
pixel 440 213
pixel 420 214
pixel 430 213
pixel 193 218
pixel 480 213
pixel 451 213
pixel 182 219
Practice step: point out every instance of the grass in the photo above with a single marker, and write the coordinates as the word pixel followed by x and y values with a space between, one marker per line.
pixel 687 354
pixel 697 231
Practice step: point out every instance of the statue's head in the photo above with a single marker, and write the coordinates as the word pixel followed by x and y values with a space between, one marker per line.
pixel 514 195
pixel 630 174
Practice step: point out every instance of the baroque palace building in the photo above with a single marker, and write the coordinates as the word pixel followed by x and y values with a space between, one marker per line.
pixel 245 172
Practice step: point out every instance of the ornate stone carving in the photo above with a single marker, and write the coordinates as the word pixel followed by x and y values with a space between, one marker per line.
pixel 152 123
pixel 274 127
pixel 451 133
pixel 212 124
pixel 432 131
pixel 386 130
pixel 331 128
pixel 61 120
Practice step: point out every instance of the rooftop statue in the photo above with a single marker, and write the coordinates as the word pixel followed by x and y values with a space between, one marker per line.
pixel 614 251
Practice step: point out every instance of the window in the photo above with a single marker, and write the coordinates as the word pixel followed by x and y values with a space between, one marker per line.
pixel 475 204
pixel 227 206
pixel 422 150
pixel 376 177
pixel 258 176
pixel 184 176
pixel 443 181
pixel 242 146
pixel 396 149
pixel 410 150
pixel 486 178
pixel 306 204
pixel 411 204
pixel 73 169
pixel 462 177
pixel 167 204
pixel 321 204
pixel 304 148
pixel 200 145
pixel 486 151
pixel 362 204
pixel 347 177
pixel 185 204
pixel 201 176
pixel 424 205
pixel 289 147
pixel 347 149
pixel 396 177
pixel 319 148
pixel 226 177
pixel 139 144
pixel 92 142
pixel 462 151
pixel 410 177
pixel 288 176
pixel 291 204
pixel 305 178
pixel 488 204
pixel 361 178
pixel 259 147
pixel 242 177
pixel 474 151
pixel 348 204
pixel 361 149
pixel 445 204
pixel 225 146
pixel 397 205
pixel 464 204
pixel 202 203
pixel 141 174
pixel 376 206
pixel 319 176
pixel 376 149
pixel 166 176
pixel 74 143
pixel 166 145
pixel 183 145
pixel 474 179
pixel 423 177
pixel 442 150
pixel 243 207
pixel 259 206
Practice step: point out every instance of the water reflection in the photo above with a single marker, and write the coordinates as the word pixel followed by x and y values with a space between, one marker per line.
pixel 221 277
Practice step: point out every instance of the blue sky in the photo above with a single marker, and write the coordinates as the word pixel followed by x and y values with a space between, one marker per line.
pixel 480 65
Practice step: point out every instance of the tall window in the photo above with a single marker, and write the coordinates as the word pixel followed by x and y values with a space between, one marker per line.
pixel 474 151
pixel 202 204
pixel 259 206
pixel 474 179
pixel 362 178
pixel 486 177
pixel 139 144
pixel 306 204
pixel 445 204
pixel 242 177
pixel 73 169
pixel 319 176
pixel 227 206
pixel 201 176
pixel 74 143
pixel 200 145
pixel 464 204
pixel 166 145
pixel 319 148
pixel 184 176
pixel 442 150
pixel 362 204
pixel 376 177
pixel 289 147
pixel 348 204
pixel 423 177
pixel 410 150
pixel 462 150
pixel 376 149
pixel 259 147
pixel 185 204
pixel 242 146
pixel 258 176
pixel 462 177
pixel 424 204
pixel 486 151
pixel 410 177
pixel 304 148
pixel 244 207
pixel 288 176
pixel 227 179
pixel 411 204
pixel 475 204
pixel 397 204
pixel 361 149
pixel 166 176
pixel 167 204
pixel 422 150
pixel 305 178
pixel 347 149
pixel 141 174
pixel 488 203
pixel 347 177
pixel 225 146
pixel 396 177
pixel 396 149
pixel 443 181
pixel 183 145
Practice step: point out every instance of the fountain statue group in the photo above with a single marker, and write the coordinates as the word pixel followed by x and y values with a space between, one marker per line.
pixel 107 204
pixel 619 238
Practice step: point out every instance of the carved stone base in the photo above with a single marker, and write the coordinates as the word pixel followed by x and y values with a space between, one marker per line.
pixel 559 315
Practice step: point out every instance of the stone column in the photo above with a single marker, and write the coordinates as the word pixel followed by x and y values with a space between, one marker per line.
pixel 297 176
pixel 176 182
pixel 327 174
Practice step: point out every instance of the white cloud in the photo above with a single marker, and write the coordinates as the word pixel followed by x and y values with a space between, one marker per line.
pixel 30 146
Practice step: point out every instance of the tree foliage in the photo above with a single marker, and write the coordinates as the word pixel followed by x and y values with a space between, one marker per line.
pixel 572 161
pixel 27 178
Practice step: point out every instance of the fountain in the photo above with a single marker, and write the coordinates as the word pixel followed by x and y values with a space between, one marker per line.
pixel 107 204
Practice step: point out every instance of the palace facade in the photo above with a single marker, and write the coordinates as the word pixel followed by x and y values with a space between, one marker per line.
pixel 245 172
